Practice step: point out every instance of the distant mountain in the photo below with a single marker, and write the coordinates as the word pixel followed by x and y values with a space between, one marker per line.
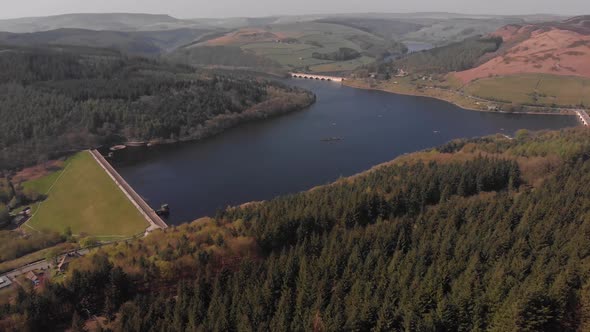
pixel 446 31
pixel 433 28
pixel 386 28
pixel 114 21
pixel 150 22
pixel 238 22
pixel 132 42
pixel 136 22
pixel 579 24
pixel 148 34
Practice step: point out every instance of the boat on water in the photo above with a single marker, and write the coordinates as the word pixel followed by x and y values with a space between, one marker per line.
pixel 117 148
pixel 163 211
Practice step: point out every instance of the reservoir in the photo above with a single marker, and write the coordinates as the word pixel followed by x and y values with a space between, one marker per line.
pixel 417 46
pixel 345 132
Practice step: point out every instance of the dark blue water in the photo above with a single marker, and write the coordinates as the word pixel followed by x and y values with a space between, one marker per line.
pixel 258 161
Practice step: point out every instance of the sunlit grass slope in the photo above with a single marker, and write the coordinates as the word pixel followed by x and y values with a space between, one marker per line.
pixel 84 198
pixel 534 89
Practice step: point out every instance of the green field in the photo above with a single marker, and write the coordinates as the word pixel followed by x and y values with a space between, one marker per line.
pixel 341 65
pixel 84 198
pixel 296 56
pixel 289 55
pixel 314 37
pixel 289 47
pixel 534 89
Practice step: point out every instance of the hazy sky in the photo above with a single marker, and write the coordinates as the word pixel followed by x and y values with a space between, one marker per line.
pixel 232 8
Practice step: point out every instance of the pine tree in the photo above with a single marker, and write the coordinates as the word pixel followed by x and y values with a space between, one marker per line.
pixel 283 315
pixel 78 324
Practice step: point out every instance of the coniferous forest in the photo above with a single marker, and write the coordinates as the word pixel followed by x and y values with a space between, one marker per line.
pixel 453 57
pixel 488 234
pixel 55 100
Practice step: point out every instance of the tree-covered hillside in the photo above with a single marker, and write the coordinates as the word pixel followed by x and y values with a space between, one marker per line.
pixel 454 57
pixel 386 28
pixel 145 43
pixel 94 21
pixel 59 99
pixel 484 234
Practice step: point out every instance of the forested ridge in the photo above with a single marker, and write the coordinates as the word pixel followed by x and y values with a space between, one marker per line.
pixel 58 99
pixel 454 57
pixel 486 234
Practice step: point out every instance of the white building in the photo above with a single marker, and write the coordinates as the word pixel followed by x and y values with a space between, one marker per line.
pixel 5 282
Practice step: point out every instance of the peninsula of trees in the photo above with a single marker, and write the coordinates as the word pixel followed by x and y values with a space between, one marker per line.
pixel 59 99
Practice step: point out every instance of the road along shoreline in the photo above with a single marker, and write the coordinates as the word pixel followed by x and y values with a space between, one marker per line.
pixel 146 211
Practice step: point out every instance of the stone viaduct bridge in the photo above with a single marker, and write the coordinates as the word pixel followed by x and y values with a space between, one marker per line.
pixel 317 77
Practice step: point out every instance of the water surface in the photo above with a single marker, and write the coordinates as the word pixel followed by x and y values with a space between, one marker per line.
pixel 414 46
pixel 258 161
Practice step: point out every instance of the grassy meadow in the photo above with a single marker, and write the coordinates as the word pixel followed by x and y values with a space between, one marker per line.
pixel 341 65
pixel 83 197
pixel 534 89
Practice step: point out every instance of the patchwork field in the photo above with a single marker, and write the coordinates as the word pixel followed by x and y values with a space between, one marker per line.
pixel 289 55
pixel 292 45
pixel 534 89
pixel 341 65
pixel 84 198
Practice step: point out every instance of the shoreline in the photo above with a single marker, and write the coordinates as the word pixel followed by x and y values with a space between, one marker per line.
pixel 212 129
pixel 347 83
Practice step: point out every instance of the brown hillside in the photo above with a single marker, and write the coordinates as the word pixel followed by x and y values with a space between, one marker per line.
pixel 550 48
pixel 247 35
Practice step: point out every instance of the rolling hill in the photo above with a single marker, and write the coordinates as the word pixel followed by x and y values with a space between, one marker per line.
pixel 443 32
pixel 132 42
pixel 530 66
pixel 545 64
pixel 110 21
pixel 288 42
pixel 293 45
pixel 386 28
pixel 561 48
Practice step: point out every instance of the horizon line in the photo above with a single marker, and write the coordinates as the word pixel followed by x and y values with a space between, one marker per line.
pixel 291 15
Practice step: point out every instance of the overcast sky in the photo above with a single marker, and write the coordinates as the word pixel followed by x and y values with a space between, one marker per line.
pixel 233 8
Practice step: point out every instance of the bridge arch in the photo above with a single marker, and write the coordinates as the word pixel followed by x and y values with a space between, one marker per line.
pixel 317 77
